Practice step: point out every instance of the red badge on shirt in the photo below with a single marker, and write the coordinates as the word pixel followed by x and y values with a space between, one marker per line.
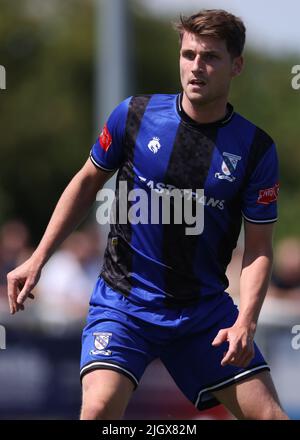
pixel 269 195
pixel 105 138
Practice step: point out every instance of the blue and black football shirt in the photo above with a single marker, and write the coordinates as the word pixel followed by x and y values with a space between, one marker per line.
pixel 155 146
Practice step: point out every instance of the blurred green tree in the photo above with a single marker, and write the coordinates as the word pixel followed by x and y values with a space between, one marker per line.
pixel 46 111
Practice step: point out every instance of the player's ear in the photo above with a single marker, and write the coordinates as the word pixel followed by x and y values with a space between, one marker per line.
pixel 237 66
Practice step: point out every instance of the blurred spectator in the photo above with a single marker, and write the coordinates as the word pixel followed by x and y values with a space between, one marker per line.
pixel 14 249
pixel 285 282
pixel 68 278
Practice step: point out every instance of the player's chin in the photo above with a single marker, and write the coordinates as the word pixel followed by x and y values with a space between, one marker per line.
pixel 198 98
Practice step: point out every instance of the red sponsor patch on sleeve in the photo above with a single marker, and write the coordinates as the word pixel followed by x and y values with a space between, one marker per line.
pixel 105 138
pixel 269 195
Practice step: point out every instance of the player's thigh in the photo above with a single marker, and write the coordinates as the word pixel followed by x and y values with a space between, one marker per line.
pixel 195 364
pixel 105 394
pixel 254 398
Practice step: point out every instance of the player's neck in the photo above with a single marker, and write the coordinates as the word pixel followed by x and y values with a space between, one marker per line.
pixel 205 113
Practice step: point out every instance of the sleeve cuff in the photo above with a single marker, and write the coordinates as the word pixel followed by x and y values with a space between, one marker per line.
pixel 260 221
pixel 101 167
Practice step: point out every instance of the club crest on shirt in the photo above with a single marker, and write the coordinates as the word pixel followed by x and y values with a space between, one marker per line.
pixel 154 145
pixel 101 341
pixel 228 166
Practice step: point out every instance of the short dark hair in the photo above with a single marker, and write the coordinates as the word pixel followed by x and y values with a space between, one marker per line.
pixel 215 23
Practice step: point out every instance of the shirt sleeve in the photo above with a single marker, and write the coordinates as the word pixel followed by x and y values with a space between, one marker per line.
pixel 260 197
pixel 108 151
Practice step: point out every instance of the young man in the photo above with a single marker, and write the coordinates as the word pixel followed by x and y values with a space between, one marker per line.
pixel 161 292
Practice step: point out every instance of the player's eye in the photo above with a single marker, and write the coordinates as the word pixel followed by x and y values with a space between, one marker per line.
pixel 210 56
pixel 189 55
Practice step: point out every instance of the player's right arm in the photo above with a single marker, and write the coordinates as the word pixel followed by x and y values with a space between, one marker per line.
pixel 107 155
pixel 70 210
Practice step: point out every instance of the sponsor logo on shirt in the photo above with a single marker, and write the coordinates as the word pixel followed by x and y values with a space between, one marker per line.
pixel 164 188
pixel 105 138
pixel 269 195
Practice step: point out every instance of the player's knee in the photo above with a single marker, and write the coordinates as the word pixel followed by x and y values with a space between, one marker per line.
pixel 98 410
pixel 105 395
pixel 274 412
pixel 268 412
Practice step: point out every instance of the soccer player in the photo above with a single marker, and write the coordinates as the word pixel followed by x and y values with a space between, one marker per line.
pixel 162 292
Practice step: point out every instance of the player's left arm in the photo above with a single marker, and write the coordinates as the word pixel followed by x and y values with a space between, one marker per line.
pixel 254 280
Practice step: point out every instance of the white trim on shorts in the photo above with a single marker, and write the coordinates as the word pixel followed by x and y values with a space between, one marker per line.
pixel 228 381
pixel 94 365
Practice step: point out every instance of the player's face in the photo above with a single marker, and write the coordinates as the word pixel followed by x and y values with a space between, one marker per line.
pixel 206 68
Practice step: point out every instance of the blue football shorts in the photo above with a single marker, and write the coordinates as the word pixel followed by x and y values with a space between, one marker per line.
pixel 125 334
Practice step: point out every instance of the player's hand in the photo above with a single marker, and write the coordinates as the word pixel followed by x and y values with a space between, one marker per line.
pixel 20 283
pixel 241 346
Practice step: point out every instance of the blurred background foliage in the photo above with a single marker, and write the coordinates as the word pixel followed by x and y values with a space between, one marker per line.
pixel 46 120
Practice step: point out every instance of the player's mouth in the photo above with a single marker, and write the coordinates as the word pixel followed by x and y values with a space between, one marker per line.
pixel 198 82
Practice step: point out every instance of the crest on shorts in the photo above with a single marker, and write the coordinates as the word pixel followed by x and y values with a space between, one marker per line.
pixel 101 341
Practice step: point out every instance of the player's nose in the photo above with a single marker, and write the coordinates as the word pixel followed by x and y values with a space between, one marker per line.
pixel 198 64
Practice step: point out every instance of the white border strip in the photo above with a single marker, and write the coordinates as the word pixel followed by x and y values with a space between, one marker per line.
pixel 87 367
pixel 232 379
pixel 259 221
pixel 99 166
